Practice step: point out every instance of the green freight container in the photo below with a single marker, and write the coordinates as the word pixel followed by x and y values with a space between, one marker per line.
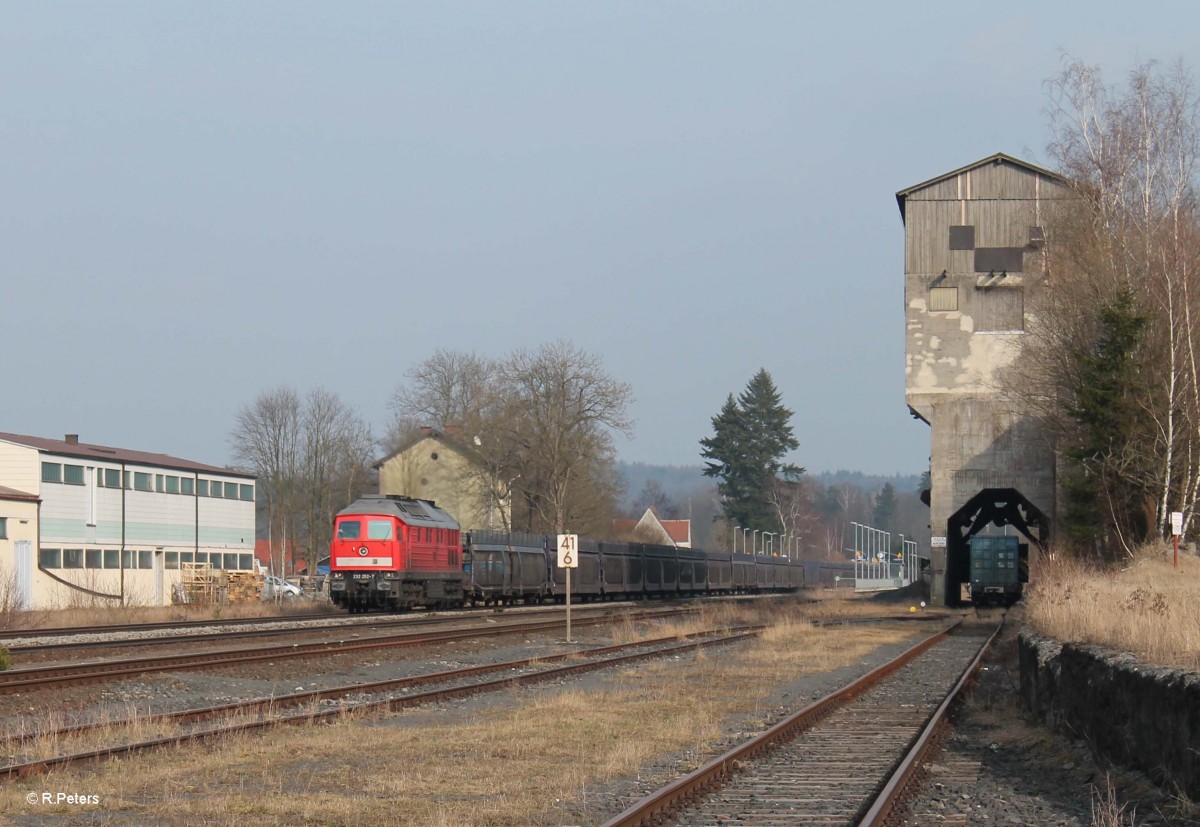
pixel 995 569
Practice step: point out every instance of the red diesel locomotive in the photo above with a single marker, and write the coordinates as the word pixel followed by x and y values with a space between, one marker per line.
pixel 391 552
pixel 396 552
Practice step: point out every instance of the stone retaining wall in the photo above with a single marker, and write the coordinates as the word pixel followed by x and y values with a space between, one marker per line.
pixel 1141 716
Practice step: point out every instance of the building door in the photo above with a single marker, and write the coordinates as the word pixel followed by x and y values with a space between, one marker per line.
pixel 23 568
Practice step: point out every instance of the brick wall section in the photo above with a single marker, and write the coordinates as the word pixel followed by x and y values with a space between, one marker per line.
pixel 1133 714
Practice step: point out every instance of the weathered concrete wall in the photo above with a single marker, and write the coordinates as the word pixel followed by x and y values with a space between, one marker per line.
pixel 965 322
pixel 1133 714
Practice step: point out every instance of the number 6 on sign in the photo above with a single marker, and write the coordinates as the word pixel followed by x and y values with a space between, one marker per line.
pixel 568 545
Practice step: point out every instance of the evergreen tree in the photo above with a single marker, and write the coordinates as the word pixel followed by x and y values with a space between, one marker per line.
pixel 885 507
pixel 1101 483
pixel 750 437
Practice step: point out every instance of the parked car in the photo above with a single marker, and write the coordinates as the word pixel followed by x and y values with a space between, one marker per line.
pixel 278 587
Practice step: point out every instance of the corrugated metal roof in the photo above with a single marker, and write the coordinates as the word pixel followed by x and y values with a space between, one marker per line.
pixel 85 450
pixel 999 157
pixel 7 493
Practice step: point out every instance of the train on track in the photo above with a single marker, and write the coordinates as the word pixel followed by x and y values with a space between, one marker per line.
pixel 393 553
pixel 999 567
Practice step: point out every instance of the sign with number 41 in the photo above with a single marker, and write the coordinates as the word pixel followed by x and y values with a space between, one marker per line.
pixel 568 551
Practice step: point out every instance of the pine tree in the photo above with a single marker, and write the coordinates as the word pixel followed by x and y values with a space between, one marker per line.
pixel 885 507
pixel 1099 484
pixel 750 437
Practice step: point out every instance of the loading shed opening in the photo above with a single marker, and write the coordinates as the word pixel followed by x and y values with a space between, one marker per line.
pixel 1000 507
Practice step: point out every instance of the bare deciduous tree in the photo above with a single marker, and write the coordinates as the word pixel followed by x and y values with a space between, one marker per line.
pixel 538 425
pixel 1130 154
pixel 311 457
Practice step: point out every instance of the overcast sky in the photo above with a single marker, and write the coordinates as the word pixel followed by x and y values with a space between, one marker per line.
pixel 203 201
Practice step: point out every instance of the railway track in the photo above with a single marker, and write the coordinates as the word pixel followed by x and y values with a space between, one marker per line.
pixel 362 624
pixel 358 698
pixel 118 628
pixel 845 760
pixel 37 678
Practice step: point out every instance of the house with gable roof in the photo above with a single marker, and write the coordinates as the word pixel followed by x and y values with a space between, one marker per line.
pixel 651 528
pixel 441 466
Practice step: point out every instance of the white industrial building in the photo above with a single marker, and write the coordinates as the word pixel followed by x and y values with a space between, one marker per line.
pixel 84 525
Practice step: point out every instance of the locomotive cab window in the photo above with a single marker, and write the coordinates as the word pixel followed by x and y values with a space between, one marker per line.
pixel 349 530
pixel 378 529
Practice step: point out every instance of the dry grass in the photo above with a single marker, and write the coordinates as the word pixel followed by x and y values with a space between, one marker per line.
pixel 1148 608
pixel 535 759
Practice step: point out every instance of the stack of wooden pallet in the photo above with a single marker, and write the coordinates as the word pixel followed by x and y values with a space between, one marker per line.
pixel 243 586
pixel 197 583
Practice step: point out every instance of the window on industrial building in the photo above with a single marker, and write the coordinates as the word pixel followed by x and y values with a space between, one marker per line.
pixel 3 528
pixel 159 484
pixel 171 560
pixel 73 474
pixel 93 558
pixel 72 558
pixel 1001 310
pixel 112 558
pixel 185 557
pixel 202 488
pixel 187 485
pixel 943 298
pixel 51 472
pixel 246 492
pixel 50 558
pixel 172 485
pixel 246 562
pixel 202 558
pixel 231 490
pixel 142 481
pixel 112 478
pixel 214 560
pixel 128 559
pixel 145 559
pixel 231 562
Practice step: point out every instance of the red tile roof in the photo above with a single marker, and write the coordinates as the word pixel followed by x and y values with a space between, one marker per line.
pixel 679 530
pixel 85 450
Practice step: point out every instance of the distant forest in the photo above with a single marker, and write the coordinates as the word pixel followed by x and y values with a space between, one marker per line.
pixel 836 499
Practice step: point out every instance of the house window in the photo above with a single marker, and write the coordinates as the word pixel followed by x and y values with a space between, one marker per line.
pixel 141 481
pixel 73 474
pixel 943 298
pixel 51 472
